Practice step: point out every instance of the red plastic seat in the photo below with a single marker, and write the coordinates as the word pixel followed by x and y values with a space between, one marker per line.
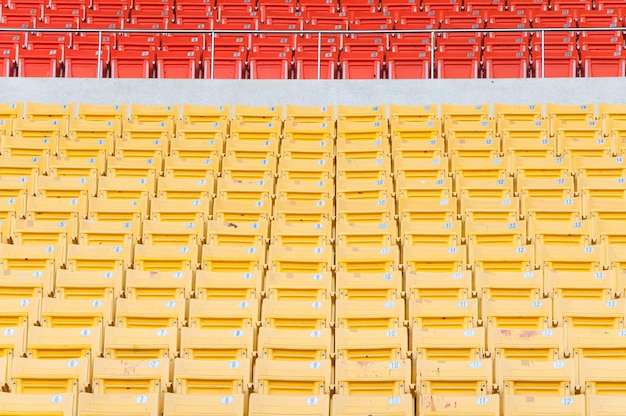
pixel 224 64
pixel 484 5
pixel 556 64
pixel 228 43
pixel 18 21
pixel 281 23
pixel 571 5
pixel 47 41
pixel 271 43
pixel 238 15
pixel 39 62
pixel 553 20
pixel 83 63
pixel 506 63
pixel 360 64
pixel 507 21
pixel 182 42
pixel 598 19
pixel 609 5
pixel 318 6
pixel 335 21
pixel 7 62
pixel 509 41
pixel 366 42
pixel 138 41
pixel 407 65
pixel 411 42
pixel 407 6
pixel 603 63
pixel 600 41
pixel 154 5
pixel 132 63
pixel 269 65
pixel 269 8
pixel 460 42
pixel 178 64
pixel 306 63
pixel 11 40
pixel 328 43
pixel 527 5
pixel 458 64
pixel 559 42
pixel 442 5
pixel 64 14
pixel 105 18
pixel 90 41
pixel 418 21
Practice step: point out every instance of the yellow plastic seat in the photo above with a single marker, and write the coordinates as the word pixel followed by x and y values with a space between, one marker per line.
pixel 310 212
pixel 293 314
pixel 300 259
pixel 305 233
pixel 427 314
pixel 208 377
pixel 292 378
pixel 505 210
pixel 610 114
pixel 184 405
pixel 87 284
pixel 298 286
pixel 602 344
pixel 412 169
pixel 517 314
pixel 452 112
pixel 368 286
pixel 158 285
pixel 216 344
pixel 60 112
pixel 366 234
pixel 165 258
pixel 517 112
pixel 130 376
pixel 565 284
pixel 125 188
pixel 59 213
pixel 32 139
pixel 570 258
pixel 520 285
pixel 27 232
pixel 97 258
pixel 434 259
pixel 593 314
pixel 134 168
pixel 426 112
pixel 540 405
pixel 143 140
pixel 19 312
pixel 502 258
pixel 223 314
pixel 237 211
pixel 10 208
pixel 438 285
pixel 22 168
pixel 180 211
pixel 582 139
pixel 305 190
pixel 539 209
pixel 130 211
pixel 249 191
pixel 527 139
pixel 76 313
pixel 227 285
pixel 372 211
pixel 616 135
pixel 490 166
pixel 446 234
pixel 361 113
pixel 266 405
pixel 254 136
pixel 90 139
pixel 8 113
pixel 139 343
pixel 459 378
pixel 199 141
pixel 149 313
pixel 448 344
pixel 32 376
pixel 308 141
pixel 372 378
pixel 178 168
pixel 472 139
pixel 488 405
pixel 427 210
pixel 599 405
pixel 31 258
pixel 417 139
pixel 192 113
pixel 294 345
pixel 536 377
pixel 606 167
pixel 228 234
pixel 99 112
pixel 258 114
pixel 367 259
pixel 157 233
pixel 12 344
pixel 558 113
pixel 244 170
pixel 90 404
pixel 371 344
pixel 402 405
pixel 109 233
pixel 560 233
pixel 306 170
pixel 63 343
pixel 362 136
pixel 155 113
pixel 354 314
pixel 526 344
pixel 603 190
pixel 232 259
pixel 29 404
pixel 309 114
pixel 62 167
pixel 512 234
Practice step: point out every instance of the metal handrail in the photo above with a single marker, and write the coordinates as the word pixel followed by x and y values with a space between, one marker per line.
pixel 433 34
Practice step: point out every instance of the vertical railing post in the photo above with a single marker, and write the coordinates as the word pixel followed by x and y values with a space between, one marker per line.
pixel 543 53
pixel 99 57
pixel 432 55
pixel 212 54
pixel 319 55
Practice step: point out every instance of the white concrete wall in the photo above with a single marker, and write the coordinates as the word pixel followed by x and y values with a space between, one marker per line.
pixel 314 93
